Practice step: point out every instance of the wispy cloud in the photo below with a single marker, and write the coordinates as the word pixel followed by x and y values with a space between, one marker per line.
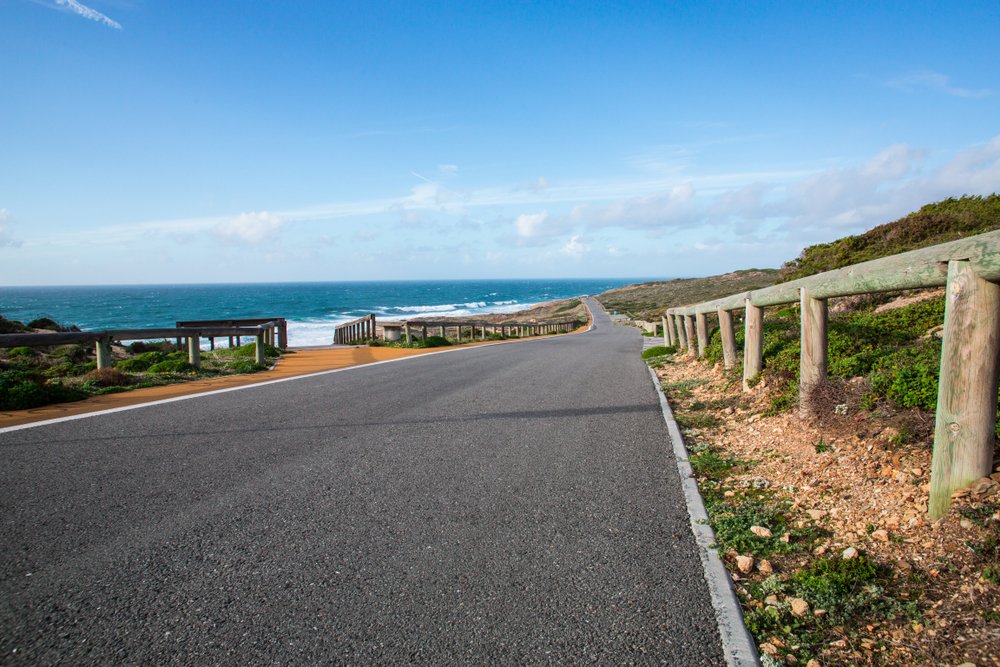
pixel 249 228
pixel 935 82
pixel 6 239
pixel 86 12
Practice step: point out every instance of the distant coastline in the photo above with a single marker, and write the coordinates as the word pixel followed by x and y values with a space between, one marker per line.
pixel 312 309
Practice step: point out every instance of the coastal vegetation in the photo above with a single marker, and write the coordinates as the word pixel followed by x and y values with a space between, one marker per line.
pixel 823 522
pixel 32 377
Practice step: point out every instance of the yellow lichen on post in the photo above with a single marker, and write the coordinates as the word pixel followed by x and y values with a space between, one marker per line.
pixel 964 429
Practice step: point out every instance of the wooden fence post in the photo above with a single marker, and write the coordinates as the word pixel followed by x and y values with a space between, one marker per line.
pixel 812 357
pixel 753 343
pixel 679 327
pixel 194 351
pixel 967 390
pixel 728 336
pixel 103 349
pixel 668 338
pixel 702 327
pixel 259 349
pixel 406 333
pixel 283 334
pixel 689 334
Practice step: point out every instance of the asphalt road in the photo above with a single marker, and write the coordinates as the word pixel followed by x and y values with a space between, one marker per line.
pixel 510 504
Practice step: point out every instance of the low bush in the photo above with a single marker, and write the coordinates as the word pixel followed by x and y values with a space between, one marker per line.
pixel 22 351
pixel 20 390
pixel 434 341
pixel 658 351
pixel 107 377
pixel 171 366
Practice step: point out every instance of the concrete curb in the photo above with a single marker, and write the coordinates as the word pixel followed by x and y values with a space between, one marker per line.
pixel 737 644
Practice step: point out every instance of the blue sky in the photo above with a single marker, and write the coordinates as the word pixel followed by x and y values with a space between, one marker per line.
pixel 158 142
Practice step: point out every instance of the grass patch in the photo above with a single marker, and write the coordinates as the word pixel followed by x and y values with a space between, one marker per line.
pixel 697 420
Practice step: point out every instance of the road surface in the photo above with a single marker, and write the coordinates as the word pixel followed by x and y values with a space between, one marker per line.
pixel 508 504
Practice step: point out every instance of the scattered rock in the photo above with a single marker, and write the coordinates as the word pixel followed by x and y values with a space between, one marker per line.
pixel 965 523
pixel 819 613
pixel 816 515
pixel 985 487
pixel 880 535
pixel 813 663
pixel 819 551
pixel 799 607
pixel 771 600
pixel 744 564
pixel 764 567
pixel 769 648
pixel 849 553
pixel 760 531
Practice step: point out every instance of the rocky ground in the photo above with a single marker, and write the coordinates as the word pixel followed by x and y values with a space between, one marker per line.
pixel 841 489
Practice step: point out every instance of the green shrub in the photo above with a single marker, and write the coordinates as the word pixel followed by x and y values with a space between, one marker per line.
pixel 658 351
pixel 141 362
pixel 21 390
pixel 842 587
pixel 434 341
pixel 171 366
pixel 250 350
pixel 74 353
pixel 22 351
pixel 11 326
pixel 107 377
pixel 244 366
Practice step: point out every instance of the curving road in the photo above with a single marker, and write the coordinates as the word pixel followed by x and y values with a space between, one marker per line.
pixel 509 504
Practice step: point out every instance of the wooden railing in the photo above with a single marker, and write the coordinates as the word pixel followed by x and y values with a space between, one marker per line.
pixel 276 336
pixel 505 329
pixel 366 328
pixel 964 431
pixel 103 339
pixel 355 331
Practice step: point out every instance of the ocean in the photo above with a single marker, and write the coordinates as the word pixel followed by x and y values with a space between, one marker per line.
pixel 313 310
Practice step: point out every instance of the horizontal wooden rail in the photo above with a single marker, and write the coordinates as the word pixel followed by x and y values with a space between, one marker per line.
pixel 970 355
pixel 277 337
pixel 104 337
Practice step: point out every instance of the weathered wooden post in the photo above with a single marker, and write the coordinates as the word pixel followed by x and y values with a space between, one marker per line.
pixel 283 334
pixel 103 350
pixel 483 336
pixel 406 333
pixel 259 349
pixel 702 327
pixel 679 328
pixel 967 390
pixel 728 335
pixel 812 357
pixel 194 350
pixel 689 334
pixel 753 343
pixel 666 331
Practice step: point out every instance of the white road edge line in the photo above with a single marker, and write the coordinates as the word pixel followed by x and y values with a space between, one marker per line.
pixel 737 644
pixel 97 413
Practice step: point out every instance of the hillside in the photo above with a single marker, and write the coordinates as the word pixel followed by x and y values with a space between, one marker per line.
pixel 935 223
pixel 823 521
pixel 646 301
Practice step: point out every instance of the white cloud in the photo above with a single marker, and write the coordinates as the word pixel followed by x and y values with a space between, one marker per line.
pixel 6 240
pixel 529 225
pixel 935 82
pixel 250 228
pixel 574 247
pixel 676 207
pixel 448 169
pixel 88 13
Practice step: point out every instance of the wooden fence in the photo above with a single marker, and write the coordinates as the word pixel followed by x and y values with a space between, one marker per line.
pixel 366 328
pixel 276 336
pixel 355 331
pixel 103 339
pixel 964 431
